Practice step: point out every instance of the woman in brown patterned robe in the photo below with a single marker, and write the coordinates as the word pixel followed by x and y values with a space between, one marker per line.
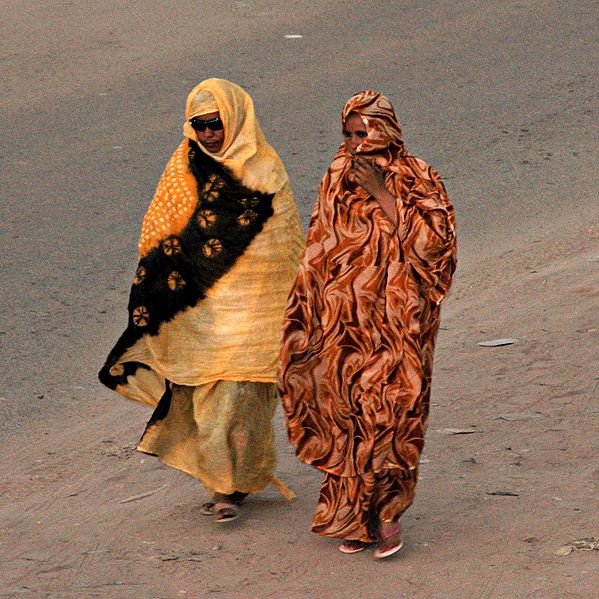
pixel 360 327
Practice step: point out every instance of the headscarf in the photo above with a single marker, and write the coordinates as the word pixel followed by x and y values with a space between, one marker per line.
pixel 245 151
pixel 384 135
pixel 378 115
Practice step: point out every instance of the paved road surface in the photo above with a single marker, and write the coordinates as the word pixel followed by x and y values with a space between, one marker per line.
pixel 500 97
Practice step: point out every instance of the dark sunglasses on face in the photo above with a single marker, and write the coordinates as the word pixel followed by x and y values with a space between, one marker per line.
pixel 214 124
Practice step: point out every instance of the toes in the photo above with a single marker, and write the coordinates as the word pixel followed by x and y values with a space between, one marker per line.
pixel 226 513
pixel 207 509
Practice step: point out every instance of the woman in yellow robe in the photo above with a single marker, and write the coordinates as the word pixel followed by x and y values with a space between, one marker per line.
pixel 219 248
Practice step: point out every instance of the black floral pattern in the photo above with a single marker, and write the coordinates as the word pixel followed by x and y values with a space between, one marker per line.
pixel 177 274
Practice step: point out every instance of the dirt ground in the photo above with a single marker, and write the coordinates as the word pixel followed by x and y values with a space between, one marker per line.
pixel 499 98
pixel 85 515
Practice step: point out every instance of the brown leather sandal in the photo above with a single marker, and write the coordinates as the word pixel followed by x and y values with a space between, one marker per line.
pixel 207 508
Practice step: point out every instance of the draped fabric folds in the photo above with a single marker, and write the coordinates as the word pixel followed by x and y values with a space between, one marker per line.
pixel 217 255
pixel 363 314
pixel 219 433
pixel 216 264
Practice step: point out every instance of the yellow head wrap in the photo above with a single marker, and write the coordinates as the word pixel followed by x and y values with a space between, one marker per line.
pixel 245 151
pixel 202 103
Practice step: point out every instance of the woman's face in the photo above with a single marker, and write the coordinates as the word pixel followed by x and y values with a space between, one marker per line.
pixel 210 131
pixel 354 132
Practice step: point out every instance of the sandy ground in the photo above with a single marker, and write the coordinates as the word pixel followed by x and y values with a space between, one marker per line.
pixel 500 98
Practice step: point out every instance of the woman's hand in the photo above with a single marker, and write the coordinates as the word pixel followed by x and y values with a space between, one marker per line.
pixel 372 180
pixel 369 177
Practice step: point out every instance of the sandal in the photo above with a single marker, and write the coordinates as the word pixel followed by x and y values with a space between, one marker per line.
pixel 207 508
pixel 225 512
pixel 389 545
pixel 351 546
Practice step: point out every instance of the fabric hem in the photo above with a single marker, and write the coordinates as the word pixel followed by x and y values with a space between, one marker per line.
pixel 224 491
pixel 368 539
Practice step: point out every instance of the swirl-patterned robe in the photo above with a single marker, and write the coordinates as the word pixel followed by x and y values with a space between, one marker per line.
pixel 360 325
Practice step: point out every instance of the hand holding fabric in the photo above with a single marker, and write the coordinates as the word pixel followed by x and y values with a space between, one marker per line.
pixel 368 176
pixel 372 180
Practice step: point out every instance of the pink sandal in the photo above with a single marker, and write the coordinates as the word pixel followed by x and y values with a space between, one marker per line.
pixel 388 545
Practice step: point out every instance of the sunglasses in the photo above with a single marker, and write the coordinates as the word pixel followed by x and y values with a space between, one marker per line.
pixel 213 124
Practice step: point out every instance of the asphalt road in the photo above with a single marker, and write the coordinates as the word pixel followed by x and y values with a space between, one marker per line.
pixel 498 96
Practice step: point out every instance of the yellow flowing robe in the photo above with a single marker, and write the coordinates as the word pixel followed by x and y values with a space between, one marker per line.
pixel 218 253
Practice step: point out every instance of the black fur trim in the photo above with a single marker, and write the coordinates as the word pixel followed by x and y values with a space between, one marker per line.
pixel 177 274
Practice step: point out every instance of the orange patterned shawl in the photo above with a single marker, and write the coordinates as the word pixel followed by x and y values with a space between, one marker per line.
pixel 363 314
pixel 219 249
